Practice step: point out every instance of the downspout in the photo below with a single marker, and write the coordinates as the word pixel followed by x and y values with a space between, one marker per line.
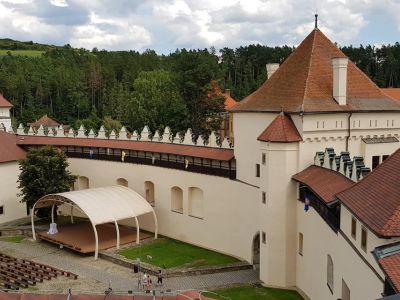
pixel 348 131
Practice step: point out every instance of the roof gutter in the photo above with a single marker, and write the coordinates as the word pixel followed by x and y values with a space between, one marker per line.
pixel 348 131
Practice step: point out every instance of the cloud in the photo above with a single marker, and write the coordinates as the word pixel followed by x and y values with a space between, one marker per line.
pixel 165 25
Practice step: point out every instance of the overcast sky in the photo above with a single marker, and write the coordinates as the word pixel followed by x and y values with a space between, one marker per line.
pixel 164 25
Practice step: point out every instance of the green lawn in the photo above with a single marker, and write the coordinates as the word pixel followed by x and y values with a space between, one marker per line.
pixel 167 253
pixel 34 53
pixel 12 239
pixel 254 293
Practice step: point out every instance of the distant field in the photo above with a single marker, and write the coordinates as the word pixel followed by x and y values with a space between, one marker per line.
pixel 33 53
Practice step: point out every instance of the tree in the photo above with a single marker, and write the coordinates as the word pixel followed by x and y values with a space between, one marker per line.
pixel 43 171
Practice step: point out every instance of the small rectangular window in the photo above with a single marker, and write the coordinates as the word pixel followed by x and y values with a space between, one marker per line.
pixel 264 158
pixel 376 123
pixel 317 124
pixel 263 238
pixel 300 243
pixel 264 197
pixel 364 239
pixel 375 161
pixel 2 210
pixel 384 157
pixel 359 123
pixel 353 228
pixel 257 170
pixel 392 123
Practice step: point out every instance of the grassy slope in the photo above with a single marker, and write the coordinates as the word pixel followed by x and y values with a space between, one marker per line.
pixel 168 253
pixel 249 292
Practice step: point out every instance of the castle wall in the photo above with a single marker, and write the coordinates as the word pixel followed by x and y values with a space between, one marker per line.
pixel 319 240
pixel 13 209
pixel 229 214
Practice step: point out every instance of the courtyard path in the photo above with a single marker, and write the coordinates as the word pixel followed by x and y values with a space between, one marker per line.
pixel 97 275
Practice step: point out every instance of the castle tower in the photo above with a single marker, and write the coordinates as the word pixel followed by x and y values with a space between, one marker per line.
pixel 5 107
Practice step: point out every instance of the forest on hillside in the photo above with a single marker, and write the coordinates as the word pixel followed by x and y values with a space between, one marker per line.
pixel 180 90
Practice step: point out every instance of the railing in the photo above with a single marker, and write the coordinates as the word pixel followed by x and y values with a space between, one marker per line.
pixel 331 215
pixel 190 164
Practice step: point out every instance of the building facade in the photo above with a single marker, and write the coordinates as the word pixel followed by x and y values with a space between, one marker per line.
pixel 260 200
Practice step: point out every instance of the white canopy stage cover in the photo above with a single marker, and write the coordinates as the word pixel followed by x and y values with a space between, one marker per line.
pixel 101 205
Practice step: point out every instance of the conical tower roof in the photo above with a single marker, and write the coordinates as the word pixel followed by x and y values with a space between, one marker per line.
pixel 304 83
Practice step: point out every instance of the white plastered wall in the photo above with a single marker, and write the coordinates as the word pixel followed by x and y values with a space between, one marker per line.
pixel 319 240
pixel 230 209
pixel 247 127
pixel 13 209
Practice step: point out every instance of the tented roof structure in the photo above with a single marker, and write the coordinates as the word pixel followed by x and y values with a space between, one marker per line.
pixel 102 205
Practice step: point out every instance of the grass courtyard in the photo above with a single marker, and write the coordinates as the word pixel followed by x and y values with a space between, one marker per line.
pixel 12 239
pixel 254 293
pixel 167 253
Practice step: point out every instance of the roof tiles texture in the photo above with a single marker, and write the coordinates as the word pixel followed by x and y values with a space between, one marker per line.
pixel 391 266
pixel 393 93
pixel 229 101
pixel 323 182
pixel 184 150
pixel 45 121
pixel 304 82
pixel 375 200
pixel 4 103
pixel 9 151
pixel 281 129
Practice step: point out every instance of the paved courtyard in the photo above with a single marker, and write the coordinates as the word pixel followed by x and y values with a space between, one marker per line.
pixel 97 275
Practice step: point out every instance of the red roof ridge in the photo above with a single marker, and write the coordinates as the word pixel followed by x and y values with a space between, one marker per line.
pixel 4 103
pixel 281 129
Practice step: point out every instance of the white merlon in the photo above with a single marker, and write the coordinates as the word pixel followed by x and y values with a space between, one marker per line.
pixel 101 134
pixel 91 134
pixel 156 136
pixel 81 132
pixel 123 134
pixel 339 66
pixel 145 135
pixel 112 135
pixel 21 130
pixel 188 138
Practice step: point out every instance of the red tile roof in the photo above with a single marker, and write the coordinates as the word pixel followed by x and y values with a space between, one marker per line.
pixel 4 103
pixel 45 121
pixel 323 182
pixel 184 150
pixel 304 83
pixel 229 101
pixel 393 93
pixel 9 151
pixel 375 200
pixel 281 129
pixel 391 266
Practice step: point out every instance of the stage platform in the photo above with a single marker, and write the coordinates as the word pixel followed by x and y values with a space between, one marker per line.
pixel 80 237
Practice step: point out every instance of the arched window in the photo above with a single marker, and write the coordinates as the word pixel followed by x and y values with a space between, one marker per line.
pixel 149 192
pixel 83 183
pixel 177 199
pixel 329 273
pixel 122 181
pixel 196 202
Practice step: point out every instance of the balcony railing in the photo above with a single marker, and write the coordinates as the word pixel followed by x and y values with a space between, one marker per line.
pixel 190 164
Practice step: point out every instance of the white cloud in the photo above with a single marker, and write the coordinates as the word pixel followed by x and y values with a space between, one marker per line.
pixel 169 24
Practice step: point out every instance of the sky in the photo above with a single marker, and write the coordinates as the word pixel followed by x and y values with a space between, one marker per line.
pixel 165 25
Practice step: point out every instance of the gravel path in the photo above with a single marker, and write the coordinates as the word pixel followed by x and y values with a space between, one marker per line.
pixel 96 275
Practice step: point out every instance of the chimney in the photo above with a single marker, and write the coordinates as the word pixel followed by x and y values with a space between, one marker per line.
pixel 271 68
pixel 339 66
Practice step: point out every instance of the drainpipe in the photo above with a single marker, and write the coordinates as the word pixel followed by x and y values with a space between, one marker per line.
pixel 348 131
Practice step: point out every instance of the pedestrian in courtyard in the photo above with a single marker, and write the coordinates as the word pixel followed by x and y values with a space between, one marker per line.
pixel 159 278
pixel 145 280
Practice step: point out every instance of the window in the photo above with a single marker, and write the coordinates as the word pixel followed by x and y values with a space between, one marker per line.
pixel 177 199
pixel 300 243
pixel 375 161
pixel 149 192
pixel 329 273
pixel 122 181
pixel 384 157
pixel 353 228
pixel 196 202
pixel 2 210
pixel 364 239
pixel 263 237
pixel 83 183
pixel 257 170
pixel 264 197
pixel 264 158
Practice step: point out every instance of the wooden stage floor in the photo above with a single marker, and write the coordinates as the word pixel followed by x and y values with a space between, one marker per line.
pixel 80 237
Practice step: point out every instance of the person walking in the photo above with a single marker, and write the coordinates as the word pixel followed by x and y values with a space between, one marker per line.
pixel 159 278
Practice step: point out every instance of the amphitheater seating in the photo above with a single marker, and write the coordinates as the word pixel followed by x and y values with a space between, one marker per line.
pixel 16 273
